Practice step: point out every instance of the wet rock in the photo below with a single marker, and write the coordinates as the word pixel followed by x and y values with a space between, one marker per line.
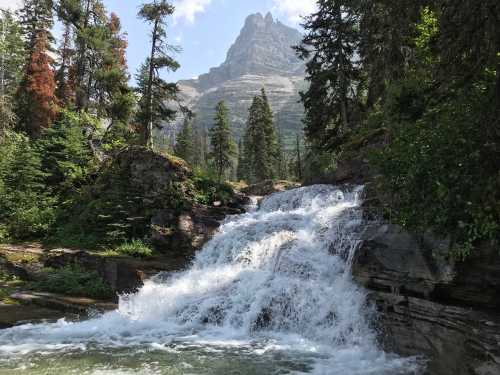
pixel 430 305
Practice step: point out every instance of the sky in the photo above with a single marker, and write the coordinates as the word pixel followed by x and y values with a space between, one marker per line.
pixel 203 29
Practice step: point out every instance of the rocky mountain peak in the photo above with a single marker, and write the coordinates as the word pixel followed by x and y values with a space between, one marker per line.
pixel 261 56
pixel 264 47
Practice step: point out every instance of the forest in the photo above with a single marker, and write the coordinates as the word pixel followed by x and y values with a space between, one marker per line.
pixel 411 88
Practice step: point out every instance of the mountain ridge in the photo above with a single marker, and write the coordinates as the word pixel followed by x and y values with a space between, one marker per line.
pixel 261 56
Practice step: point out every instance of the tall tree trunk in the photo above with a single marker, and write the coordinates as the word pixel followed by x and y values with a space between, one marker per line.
pixel 81 100
pixel 149 130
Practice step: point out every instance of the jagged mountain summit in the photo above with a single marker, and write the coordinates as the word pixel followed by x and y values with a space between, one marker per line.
pixel 262 56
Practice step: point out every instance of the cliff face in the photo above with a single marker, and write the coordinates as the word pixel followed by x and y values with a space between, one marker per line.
pixel 430 306
pixel 260 57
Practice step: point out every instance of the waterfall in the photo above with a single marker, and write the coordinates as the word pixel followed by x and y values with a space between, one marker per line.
pixel 275 278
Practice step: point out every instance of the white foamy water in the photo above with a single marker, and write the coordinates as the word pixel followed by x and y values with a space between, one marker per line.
pixel 273 283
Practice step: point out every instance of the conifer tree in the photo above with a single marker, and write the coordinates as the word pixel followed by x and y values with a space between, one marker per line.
pixel 36 101
pixel 65 90
pixel 184 147
pixel 241 169
pixel 272 146
pixel 12 53
pixel 12 60
pixel 333 70
pixel 115 99
pixel 155 92
pixel 223 148
pixel 36 16
pixel 261 150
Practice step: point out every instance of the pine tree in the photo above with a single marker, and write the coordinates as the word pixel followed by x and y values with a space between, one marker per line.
pixel 115 99
pixel 330 49
pixel 241 170
pixel 65 153
pixel 155 92
pixel 65 90
pixel 260 145
pixel 223 148
pixel 12 53
pixel 36 16
pixel 184 147
pixel 273 151
pixel 11 62
pixel 36 100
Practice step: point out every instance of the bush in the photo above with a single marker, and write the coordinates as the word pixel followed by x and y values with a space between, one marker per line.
pixel 74 281
pixel 440 167
pixel 135 248
pixel 208 190
pixel 26 209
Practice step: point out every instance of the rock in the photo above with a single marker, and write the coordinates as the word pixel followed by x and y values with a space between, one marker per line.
pixel 269 187
pixel 68 304
pixel 262 56
pixel 429 305
pixel 17 314
pixel 140 194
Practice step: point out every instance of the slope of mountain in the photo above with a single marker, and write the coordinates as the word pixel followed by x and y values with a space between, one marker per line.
pixel 261 57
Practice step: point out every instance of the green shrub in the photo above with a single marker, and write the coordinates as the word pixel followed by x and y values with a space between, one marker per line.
pixel 208 190
pixel 74 281
pixel 438 167
pixel 26 209
pixel 135 248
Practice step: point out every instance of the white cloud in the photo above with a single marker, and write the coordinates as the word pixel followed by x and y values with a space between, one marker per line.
pixel 188 9
pixel 294 10
pixel 10 4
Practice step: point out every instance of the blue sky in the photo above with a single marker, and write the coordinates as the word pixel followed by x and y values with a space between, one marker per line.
pixel 204 29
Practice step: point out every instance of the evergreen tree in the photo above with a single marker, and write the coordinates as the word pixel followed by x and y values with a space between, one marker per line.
pixel 241 169
pixel 155 92
pixel 223 148
pixel 66 156
pixel 26 209
pixel 261 153
pixel 115 97
pixel 184 147
pixel 12 59
pixel 65 90
pixel 12 53
pixel 273 150
pixel 36 17
pixel 36 100
pixel 330 49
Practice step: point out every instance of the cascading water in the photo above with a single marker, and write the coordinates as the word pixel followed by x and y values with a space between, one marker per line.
pixel 271 293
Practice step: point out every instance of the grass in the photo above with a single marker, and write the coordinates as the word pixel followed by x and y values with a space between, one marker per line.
pixel 134 248
pixel 73 281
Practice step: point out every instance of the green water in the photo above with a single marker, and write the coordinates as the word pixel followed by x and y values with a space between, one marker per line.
pixel 188 359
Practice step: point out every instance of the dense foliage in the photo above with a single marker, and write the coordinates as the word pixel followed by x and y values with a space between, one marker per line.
pixel 67 112
pixel 423 106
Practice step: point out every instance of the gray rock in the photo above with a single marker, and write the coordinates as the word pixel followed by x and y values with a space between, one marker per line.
pixel 262 56
pixel 429 305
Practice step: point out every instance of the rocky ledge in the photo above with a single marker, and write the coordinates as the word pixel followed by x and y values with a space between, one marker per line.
pixel 431 306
